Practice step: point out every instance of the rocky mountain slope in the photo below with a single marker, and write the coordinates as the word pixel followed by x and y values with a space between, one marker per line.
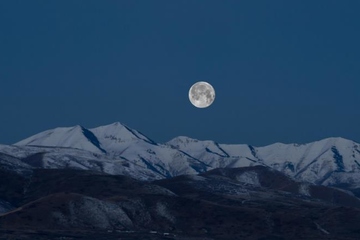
pixel 239 203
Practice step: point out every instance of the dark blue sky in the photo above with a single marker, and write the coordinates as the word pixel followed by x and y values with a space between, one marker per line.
pixel 283 71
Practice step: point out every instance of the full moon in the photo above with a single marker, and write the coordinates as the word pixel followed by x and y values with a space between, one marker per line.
pixel 201 94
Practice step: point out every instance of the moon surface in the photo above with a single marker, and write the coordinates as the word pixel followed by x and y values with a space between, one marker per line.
pixel 202 94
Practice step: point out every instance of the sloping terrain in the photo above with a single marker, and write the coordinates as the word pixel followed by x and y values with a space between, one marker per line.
pixel 119 149
pixel 114 182
pixel 239 203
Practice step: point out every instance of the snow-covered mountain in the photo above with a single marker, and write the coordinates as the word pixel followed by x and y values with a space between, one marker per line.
pixel 331 161
pixel 71 137
pixel 118 149
pixel 114 149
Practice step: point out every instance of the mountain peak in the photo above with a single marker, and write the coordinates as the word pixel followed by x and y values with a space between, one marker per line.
pixel 338 140
pixel 116 124
pixel 321 161
pixel 117 136
pixel 183 139
pixel 71 137
pixel 120 132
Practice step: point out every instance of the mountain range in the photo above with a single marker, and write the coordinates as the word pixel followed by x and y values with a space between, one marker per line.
pixel 118 149
pixel 114 182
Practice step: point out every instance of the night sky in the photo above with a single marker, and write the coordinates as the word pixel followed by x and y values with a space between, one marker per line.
pixel 283 71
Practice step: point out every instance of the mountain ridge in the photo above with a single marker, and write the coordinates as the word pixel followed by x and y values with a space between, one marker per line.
pixel 116 148
pixel 116 182
pixel 251 202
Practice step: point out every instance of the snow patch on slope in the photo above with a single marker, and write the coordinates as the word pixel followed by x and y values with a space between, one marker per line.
pixel 249 177
pixel 90 212
pixel 304 189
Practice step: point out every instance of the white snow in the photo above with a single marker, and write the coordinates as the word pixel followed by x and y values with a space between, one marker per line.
pixel 71 137
pixel 93 212
pixel 118 149
pixel 117 137
pixel 304 189
pixel 249 177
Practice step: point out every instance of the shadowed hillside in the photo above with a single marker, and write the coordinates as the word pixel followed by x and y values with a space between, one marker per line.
pixel 240 203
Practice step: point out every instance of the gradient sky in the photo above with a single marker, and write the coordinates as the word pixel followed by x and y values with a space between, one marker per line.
pixel 283 71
